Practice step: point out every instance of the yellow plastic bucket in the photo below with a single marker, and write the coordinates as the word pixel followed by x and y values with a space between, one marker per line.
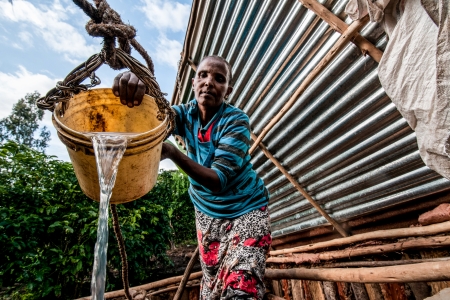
pixel 98 110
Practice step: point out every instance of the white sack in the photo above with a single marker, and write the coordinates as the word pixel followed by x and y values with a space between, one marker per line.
pixel 409 74
pixel 356 9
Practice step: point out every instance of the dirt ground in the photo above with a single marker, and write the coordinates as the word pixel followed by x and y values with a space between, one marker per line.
pixel 180 258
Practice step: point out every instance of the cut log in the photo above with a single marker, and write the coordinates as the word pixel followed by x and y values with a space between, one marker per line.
pixel 420 290
pixel 297 290
pixel 432 271
pixel 330 290
pixel 393 291
pixel 374 291
pixel 381 263
pixel 359 290
pixel 345 291
pixel 375 235
pixel 276 288
pixel 149 286
pixel 419 243
pixel 171 289
pixel 316 290
pixel 436 286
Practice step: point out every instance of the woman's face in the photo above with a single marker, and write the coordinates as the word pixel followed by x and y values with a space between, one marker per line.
pixel 210 83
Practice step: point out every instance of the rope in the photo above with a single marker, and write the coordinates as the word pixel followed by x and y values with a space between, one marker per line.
pixel 106 22
pixel 123 254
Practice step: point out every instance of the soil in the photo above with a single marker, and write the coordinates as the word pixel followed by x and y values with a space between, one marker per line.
pixel 180 257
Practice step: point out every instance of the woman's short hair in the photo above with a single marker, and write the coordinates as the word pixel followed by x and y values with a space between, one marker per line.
pixel 230 75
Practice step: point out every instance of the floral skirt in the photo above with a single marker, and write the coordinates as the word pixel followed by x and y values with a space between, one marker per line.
pixel 233 255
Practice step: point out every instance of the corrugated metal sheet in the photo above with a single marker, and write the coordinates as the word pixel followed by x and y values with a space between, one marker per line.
pixel 343 140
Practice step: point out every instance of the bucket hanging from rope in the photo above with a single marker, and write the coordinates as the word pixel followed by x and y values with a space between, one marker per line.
pixel 77 110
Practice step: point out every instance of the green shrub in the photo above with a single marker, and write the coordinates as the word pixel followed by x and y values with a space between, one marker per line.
pixel 48 227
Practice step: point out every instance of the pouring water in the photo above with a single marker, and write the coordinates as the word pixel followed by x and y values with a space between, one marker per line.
pixel 109 148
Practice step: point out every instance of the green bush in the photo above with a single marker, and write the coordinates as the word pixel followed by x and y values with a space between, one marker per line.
pixel 48 227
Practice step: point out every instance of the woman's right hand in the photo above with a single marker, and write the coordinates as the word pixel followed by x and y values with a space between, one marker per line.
pixel 129 88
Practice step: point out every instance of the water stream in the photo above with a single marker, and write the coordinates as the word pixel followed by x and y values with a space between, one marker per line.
pixel 109 148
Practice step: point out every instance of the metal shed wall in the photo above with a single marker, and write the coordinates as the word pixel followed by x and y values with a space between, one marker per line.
pixel 343 140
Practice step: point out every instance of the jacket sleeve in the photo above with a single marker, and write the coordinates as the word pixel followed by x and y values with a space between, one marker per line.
pixel 232 147
pixel 179 120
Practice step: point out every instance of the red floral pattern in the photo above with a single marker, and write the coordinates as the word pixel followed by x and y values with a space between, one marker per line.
pixel 209 255
pixel 241 280
pixel 233 254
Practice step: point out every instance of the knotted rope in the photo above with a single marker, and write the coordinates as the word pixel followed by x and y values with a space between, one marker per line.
pixel 106 23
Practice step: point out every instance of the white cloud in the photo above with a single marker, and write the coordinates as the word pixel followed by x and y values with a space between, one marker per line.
pixel 168 51
pixel 26 38
pixel 48 23
pixel 164 15
pixel 17 85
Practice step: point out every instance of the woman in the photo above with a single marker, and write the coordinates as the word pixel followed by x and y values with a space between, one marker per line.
pixel 230 200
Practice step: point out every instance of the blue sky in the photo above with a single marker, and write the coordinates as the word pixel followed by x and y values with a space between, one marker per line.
pixel 42 41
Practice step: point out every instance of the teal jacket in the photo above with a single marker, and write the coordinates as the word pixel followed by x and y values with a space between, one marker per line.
pixel 227 154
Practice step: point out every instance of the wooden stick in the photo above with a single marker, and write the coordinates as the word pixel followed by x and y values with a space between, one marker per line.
pixel 379 234
pixel 294 182
pixel 330 290
pixel 192 64
pixel 340 26
pixel 273 274
pixel 381 263
pixel 169 289
pixel 150 286
pixel 371 250
pixel 424 272
pixel 186 275
pixel 351 31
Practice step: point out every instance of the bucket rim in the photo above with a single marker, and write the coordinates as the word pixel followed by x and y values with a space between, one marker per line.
pixel 146 143
pixel 161 128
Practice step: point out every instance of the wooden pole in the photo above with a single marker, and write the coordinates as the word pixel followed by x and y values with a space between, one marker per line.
pixel 340 26
pixel 424 272
pixel 269 273
pixel 348 34
pixel 169 289
pixel 379 234
pixel 381 263
pixel 186 275
pixel 440 241
pixel 294 182
pixel 149 286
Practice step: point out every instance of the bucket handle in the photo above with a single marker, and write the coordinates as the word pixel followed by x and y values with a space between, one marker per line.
pixel 107 23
